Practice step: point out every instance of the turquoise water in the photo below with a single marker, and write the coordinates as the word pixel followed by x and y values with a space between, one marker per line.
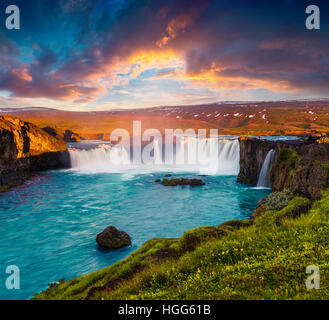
pixel 48 226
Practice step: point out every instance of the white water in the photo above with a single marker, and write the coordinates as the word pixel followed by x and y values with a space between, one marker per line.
pixel 201 155
pixel 99 159
pixel 264 180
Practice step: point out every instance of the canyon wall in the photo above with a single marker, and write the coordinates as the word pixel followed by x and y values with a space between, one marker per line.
pixel 252 155
pixel 25 148
pixel 300 166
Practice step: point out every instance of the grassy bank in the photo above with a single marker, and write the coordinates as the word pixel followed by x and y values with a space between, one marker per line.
pixel 264 258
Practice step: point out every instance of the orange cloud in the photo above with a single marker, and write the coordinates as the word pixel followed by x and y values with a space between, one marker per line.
pixel 179 24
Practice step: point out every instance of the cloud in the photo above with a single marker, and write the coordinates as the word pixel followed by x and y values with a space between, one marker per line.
pixel 211 46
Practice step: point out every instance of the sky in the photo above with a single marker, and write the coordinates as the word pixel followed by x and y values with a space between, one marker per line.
pixel 123 54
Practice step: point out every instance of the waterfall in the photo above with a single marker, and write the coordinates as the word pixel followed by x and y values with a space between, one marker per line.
pixel 203 155
pixel 211 156
pixel 264 180
pixel 98 159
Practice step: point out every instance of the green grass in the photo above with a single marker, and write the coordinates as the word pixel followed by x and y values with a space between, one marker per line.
pixel 265 259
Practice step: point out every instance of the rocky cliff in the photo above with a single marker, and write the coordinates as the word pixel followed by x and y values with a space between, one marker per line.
pixel 66 135
pixel 300 166
pixel 252 155
pixel 25 148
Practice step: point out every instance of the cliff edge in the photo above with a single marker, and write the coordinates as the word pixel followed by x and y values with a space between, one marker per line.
pixel 25 148
pixel 302 166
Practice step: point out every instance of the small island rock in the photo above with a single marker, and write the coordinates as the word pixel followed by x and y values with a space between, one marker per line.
pixel 182 182
pixel 112 238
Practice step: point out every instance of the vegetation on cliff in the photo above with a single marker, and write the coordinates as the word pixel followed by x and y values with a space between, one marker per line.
pixel 263 258
pixel 278 200
pixel 301 168
pixel 288 156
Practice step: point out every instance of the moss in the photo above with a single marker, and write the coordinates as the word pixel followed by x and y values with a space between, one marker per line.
pixel 192 238
pixel 234 224
pixel 288 156
pixel 182 182
pixel 325 166
pixel 4 188
pixel 298 170
pixel 294 208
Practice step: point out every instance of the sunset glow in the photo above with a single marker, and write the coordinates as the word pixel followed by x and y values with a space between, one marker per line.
pixel 81 55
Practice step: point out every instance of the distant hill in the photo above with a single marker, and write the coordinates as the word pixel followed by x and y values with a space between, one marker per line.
pixel 252 118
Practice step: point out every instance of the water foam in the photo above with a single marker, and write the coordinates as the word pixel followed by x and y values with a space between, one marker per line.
pixel 212 156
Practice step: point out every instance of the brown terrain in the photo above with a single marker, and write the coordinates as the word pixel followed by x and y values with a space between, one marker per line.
pixel 243 118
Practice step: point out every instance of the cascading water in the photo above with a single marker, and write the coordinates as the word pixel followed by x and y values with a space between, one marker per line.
pixel 98 159
pixel 264 180
pixel 205 156
pixel 210 156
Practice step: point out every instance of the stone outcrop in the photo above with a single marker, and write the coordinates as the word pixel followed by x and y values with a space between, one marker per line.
pixel 252 155
pixel 300 166
pixel 66 135
pixel 181 182
pixel 25 148
pixel 112 238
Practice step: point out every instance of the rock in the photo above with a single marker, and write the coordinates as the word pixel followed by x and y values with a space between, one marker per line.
pixel 67 135
pixel 252 155
pixel 182 182
pixel 258 212
pixel 25 148
pixel 167 175
pixel 112 238
pixel 301 168
pixel 300 165
pixel 157 180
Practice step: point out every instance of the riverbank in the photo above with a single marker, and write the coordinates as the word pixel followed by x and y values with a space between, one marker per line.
pixel 261 259
pixel 264 257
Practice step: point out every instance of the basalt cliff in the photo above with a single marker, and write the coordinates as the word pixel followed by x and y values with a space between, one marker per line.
pixel 26 148
pixel 301 166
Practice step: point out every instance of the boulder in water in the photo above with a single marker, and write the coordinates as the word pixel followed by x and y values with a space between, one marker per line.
pixel 182 182
pixel 112 238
